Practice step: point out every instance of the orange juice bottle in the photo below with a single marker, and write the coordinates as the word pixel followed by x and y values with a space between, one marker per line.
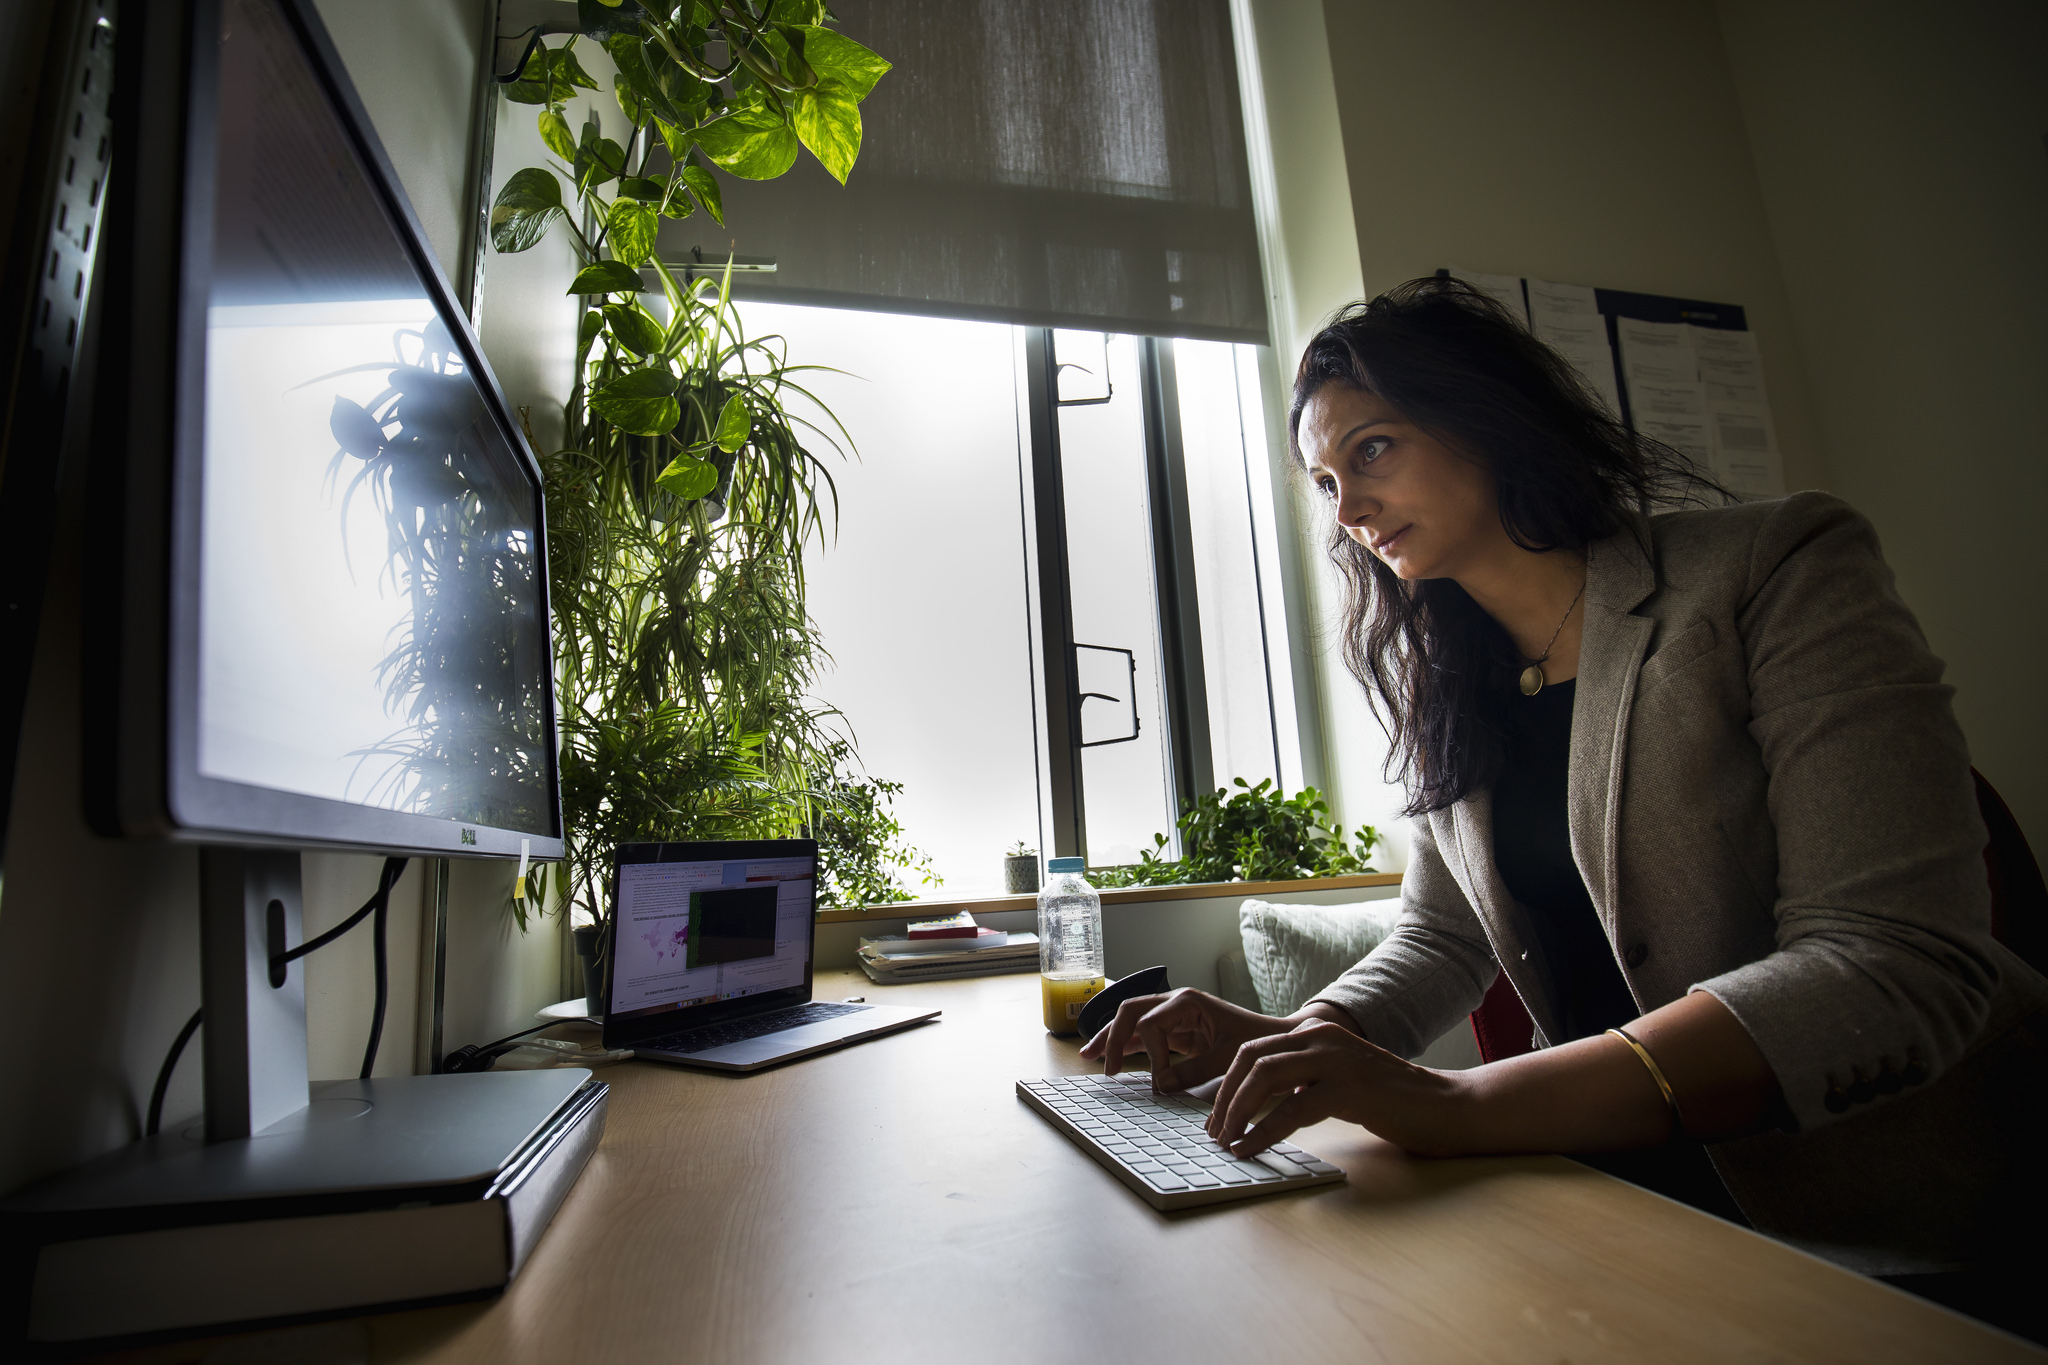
pixel 1069 944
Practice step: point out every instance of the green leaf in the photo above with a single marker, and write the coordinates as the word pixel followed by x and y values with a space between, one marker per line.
pixel 828 120
pixel 735 424
pixel 586 332
pixel 524 209
pixel 798 12
pixel 705 186
pixel 637 77
pixel 606 277
pixel 645 188
pixel 641 402
pixel 749 153
pixel 571 70
pixel 554 131
pixel 688 477
pixel 632 226
pixel 633 328
pixel 536 79
pixel 834 56
pixel 677 141
pixel 598 159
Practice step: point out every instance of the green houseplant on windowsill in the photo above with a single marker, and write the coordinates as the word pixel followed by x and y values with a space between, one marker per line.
pixel 1254 834
pixel 681 503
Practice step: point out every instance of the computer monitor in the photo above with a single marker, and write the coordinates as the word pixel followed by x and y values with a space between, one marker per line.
pixel 324 583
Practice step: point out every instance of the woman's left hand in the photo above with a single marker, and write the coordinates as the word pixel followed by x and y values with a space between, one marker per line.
pixel 1321 1071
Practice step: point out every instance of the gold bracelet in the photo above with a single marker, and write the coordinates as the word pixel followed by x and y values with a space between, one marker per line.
pixel 1656 1074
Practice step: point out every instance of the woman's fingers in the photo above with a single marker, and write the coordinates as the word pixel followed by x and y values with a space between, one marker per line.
pixel 1296 1112
pixel 1277 1073
pixel 1114 1042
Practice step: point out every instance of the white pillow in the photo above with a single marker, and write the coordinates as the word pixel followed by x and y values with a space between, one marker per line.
pixel 1293 951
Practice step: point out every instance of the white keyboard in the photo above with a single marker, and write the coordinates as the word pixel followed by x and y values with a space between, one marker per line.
pixel 1156 1143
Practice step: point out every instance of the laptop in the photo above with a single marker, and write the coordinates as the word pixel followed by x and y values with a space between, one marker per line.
pixel 710 961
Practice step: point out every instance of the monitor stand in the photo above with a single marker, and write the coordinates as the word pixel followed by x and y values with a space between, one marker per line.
pixel 292 1200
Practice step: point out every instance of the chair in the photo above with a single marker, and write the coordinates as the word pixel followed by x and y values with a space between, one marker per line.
pixel 2019 920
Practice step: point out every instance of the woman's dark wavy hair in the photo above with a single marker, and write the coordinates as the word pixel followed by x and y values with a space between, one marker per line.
pixel 1437 669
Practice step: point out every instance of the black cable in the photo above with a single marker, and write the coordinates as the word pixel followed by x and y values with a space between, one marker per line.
pixel 377 927
pixel 378 904
pixel 387 879
pixel 479 1056
pixel 163 1073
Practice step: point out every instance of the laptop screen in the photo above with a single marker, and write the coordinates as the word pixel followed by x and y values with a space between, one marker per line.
pixel 705 924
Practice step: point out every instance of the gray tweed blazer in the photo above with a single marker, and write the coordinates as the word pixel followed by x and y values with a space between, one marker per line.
pixel 1770 800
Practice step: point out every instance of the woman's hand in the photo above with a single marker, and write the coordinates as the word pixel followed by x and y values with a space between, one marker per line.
pixel 1205 1030
pixel 1320 1070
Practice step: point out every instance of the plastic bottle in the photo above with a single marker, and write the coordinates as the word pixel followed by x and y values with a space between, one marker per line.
pixel 1069 944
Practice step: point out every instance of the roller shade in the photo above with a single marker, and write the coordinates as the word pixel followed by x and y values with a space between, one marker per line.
pixel 1065 163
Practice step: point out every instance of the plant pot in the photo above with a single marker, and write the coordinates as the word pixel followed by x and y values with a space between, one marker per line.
pixel 588 938
pixel 1020 874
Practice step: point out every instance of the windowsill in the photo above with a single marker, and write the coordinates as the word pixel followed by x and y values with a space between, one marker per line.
pixel 1124 895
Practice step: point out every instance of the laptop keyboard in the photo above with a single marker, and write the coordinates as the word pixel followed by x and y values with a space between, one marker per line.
pixel 739 1030
pixel 1157 1145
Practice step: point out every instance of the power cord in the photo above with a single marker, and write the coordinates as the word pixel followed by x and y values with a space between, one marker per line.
pixel 479 1056
pixel 379 905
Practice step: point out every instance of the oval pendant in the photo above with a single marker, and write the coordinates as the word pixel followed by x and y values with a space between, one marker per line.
pixel 1532 680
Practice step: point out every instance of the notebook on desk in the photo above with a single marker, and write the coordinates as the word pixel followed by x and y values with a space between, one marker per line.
pixel 710 960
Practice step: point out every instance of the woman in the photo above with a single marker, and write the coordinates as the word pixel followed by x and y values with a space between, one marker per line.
pixel 1691 780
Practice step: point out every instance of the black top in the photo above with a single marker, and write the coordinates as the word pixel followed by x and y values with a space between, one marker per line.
pixel 1532 847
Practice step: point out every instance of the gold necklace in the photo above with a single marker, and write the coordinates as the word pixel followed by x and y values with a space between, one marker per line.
pixel 1532 676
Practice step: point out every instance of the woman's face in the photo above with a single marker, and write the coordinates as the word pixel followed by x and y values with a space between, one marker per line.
pixel 1420 507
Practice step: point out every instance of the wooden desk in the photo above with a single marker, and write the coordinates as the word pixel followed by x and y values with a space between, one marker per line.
pixel 896 1202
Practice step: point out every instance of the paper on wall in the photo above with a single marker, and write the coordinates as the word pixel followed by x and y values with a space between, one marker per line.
pixel 1746 451
pixel 1656 353
pixel 1729 366
pixel 1507 289
pixel 1566 317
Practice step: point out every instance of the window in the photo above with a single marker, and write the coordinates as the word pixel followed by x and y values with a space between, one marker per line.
pixel 1051 587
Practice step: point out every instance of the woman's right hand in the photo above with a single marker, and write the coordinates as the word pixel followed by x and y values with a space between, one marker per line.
pixel 1203 1029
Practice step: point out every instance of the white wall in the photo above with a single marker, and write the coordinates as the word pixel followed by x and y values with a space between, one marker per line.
pixel 1901 153
pixel 1309 239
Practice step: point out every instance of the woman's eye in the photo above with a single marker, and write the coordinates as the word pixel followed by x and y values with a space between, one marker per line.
pixel 1373 448
pixel 1327 487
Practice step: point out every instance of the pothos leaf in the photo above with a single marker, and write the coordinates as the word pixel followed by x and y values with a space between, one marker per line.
pixel 571 70
pixel 524 209
pixel 749 153
pixel 705 186
pixel 688 477
pixel 641 401
pixel 554 131
pixel 632 226
pixel 834 56
pixel 828 120
pixel 606 277
pixel 586 332
pixel 735 424
pixel 633 328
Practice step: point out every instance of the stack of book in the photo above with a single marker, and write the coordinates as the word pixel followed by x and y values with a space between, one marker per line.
pixel 936 950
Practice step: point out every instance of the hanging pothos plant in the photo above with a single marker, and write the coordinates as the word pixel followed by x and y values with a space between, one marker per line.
pixel 680 505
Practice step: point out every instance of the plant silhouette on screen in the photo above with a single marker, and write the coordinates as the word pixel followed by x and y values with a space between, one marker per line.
pixel 464 677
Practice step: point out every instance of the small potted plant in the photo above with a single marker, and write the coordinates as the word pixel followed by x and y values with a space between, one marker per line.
pixel 1020 870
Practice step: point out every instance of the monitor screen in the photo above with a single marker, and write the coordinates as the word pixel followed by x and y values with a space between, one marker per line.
pixel 358 635
pixel 702 932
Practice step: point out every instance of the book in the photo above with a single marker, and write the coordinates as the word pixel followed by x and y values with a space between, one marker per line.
pixel 952 926
pixel 897 945
pixel 1018 954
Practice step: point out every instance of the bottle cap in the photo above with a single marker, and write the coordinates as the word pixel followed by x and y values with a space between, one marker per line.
pixel 1058 865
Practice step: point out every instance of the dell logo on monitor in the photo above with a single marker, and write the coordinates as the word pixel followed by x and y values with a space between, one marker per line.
pixel 469 836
